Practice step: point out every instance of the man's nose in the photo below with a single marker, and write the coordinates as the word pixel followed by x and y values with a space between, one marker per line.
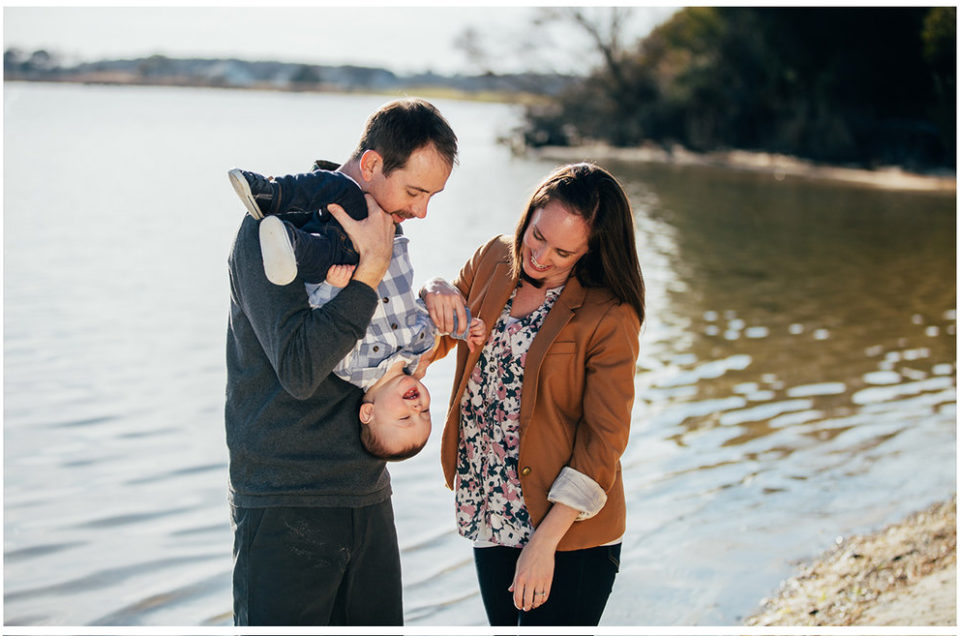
pixel 419 210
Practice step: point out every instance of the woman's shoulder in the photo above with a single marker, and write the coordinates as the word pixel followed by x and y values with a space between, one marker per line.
pixel 496 250
pixel 499 246
pixel 602 304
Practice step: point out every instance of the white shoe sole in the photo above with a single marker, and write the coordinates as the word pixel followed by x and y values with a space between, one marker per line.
pixel 279 260
pixel 242 188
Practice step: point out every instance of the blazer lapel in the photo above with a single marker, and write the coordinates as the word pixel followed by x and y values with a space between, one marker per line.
pixel 497 294
pixel 571 299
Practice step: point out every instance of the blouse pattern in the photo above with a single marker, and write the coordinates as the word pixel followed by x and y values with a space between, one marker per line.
pixel 489 498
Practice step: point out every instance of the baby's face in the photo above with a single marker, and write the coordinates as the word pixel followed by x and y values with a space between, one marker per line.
pixel 401 413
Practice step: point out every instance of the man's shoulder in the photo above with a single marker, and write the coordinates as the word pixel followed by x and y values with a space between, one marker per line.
pixel 246 235
pixel 331 170
pixel 323 164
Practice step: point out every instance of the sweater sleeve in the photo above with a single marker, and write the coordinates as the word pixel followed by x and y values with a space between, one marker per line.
pixel 302 344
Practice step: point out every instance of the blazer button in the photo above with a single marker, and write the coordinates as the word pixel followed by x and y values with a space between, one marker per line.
pixel 525 471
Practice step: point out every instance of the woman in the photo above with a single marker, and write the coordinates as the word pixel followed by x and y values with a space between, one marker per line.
pixel 539 417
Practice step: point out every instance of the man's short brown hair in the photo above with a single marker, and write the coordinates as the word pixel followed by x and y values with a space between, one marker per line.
pixel 400 127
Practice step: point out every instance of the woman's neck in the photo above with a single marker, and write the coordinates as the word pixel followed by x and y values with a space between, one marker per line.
pixel 528 298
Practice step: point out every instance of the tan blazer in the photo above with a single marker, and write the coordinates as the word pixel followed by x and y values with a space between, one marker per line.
pixel 577 393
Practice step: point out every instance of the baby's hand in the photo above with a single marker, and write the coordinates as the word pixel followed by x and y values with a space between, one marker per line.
pixel 339 275
pixel 477 336
pixel 425 361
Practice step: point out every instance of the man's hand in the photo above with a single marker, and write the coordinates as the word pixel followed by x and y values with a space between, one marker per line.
pixel 339 275
pixel 373 239
pixel 443 301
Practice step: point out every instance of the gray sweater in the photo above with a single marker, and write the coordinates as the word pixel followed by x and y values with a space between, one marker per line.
pixel 292 426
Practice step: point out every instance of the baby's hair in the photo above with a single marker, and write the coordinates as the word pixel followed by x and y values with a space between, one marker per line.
pixel 375 446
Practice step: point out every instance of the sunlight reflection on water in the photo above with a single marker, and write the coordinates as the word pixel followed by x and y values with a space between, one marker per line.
pixel 796 378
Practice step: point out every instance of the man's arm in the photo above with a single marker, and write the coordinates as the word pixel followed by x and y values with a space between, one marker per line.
pixel 303 345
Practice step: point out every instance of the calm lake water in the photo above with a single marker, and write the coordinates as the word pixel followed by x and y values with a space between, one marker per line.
pixel 796 383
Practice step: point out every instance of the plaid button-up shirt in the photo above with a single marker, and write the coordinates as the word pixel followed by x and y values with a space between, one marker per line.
pixel 401 328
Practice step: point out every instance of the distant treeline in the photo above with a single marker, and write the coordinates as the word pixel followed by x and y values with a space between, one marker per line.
pixel 43 65
pixel 866 86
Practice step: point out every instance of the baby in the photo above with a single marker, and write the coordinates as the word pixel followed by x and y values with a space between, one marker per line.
pixel 389 362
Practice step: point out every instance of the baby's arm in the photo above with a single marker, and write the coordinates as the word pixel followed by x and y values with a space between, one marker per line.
pixel 339 275
pixel 425 359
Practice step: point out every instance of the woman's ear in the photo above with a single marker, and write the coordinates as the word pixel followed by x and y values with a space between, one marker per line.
pixel 366 412
pixel 370 163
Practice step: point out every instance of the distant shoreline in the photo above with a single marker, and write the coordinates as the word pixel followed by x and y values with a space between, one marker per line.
pixel 778 166
pixel 425 91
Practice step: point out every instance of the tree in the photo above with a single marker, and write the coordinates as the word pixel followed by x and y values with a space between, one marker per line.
pixel 866 85
pixel 12 60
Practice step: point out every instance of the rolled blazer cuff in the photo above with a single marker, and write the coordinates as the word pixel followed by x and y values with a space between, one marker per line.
pixel 573 488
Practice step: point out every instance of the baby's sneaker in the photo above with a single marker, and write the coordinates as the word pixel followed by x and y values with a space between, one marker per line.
pixel 287 251
pixel 256 191
pixel 277 251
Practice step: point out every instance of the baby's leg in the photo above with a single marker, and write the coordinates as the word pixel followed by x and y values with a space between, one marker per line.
pixel 287 251
pixel 310 191
pixel 315 190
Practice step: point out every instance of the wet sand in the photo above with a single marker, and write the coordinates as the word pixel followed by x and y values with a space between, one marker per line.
pixel 903 575
pixel 779 166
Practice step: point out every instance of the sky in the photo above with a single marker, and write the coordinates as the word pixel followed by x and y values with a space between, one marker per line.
pixel 404 39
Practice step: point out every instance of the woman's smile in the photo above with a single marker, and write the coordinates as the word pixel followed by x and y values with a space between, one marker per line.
pixel 537 266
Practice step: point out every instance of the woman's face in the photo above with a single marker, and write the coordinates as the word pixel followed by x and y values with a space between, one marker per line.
pixel 553 242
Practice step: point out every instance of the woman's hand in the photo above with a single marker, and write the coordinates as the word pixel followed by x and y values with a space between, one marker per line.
pixel 533 576
pixel 444 301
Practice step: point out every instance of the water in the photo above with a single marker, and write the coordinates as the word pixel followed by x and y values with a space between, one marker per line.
pixel 797 378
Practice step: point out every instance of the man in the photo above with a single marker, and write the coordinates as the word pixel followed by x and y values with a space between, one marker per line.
pixel 314 537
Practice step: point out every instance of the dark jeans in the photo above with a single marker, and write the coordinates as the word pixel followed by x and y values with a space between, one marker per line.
pixel 313 191
pixel 582 580
pixel 316 566
pixel 318 245
pixel 310 193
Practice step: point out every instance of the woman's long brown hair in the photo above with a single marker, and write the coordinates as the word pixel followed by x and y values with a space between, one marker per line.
pixel 611 262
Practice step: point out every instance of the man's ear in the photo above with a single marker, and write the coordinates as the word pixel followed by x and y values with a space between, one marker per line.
pixel 370 163
pixel 366 412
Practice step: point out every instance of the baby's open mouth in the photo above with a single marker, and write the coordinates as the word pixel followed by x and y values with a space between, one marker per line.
pixel 412 394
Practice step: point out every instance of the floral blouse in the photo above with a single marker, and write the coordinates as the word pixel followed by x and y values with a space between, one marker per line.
pixel 489 500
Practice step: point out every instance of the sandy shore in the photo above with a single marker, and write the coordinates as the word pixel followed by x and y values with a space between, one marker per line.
pixel 903 575
pixel 779 166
